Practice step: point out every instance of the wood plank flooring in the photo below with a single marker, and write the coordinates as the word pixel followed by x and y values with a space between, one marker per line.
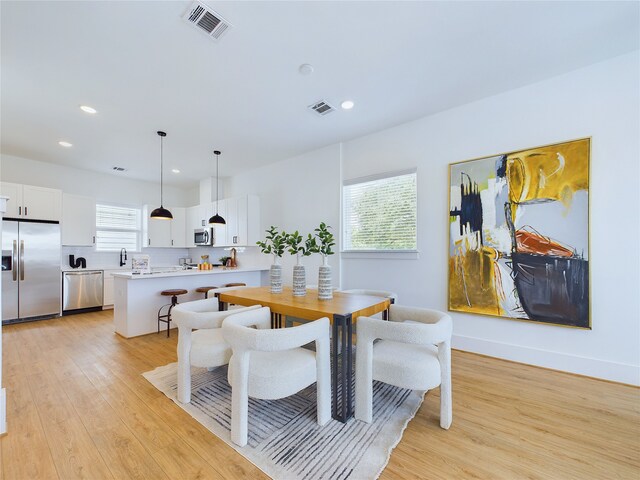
pixel 79 408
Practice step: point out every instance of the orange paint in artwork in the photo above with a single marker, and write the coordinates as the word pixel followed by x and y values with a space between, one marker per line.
pixel 536 244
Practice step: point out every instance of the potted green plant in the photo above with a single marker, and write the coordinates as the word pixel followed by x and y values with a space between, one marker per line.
pixel 274 244
pixel 323 247
pixel 300 248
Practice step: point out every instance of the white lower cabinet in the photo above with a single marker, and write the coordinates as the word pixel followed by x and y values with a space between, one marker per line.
pixel 107 286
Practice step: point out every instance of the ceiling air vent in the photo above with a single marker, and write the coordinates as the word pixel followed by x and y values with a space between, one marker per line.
pixel 321 108
pixel 207 21
pixel 119 169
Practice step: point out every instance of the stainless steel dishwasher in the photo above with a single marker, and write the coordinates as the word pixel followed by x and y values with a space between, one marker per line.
pixel 81 291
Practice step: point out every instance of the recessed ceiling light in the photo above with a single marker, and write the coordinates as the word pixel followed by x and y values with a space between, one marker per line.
pixel 347 105
pixel 175 170
pixel 305 69
pixel 88 109
pixel 62 143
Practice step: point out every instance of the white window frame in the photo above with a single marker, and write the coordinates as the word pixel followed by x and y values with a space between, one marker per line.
pixel 396 254
pixel 137 230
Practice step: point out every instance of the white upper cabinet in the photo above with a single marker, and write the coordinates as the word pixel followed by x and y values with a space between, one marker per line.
pixel 220 231
pixel 157 233
pixel 31 202
pixel 243 222
pixel 165 233
pixel 78 220
pixel 178 227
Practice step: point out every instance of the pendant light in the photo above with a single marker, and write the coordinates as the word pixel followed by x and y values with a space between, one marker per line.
pixel 217 219
pixel 161 213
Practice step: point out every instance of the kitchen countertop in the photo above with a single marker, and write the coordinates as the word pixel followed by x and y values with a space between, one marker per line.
pixel 169 272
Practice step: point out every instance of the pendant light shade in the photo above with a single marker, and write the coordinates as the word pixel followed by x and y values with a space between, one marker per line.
pixel 217 219
pixel 161 213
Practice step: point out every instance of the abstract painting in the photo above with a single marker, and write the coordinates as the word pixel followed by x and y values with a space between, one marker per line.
pixel 519 235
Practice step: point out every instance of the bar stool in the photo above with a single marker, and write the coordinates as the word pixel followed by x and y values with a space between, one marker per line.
pixel 174 301
pixel 205 290
pixel 237 284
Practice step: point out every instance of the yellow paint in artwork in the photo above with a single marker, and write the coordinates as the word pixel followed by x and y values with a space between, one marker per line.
pixel 472 280
pixel 554 172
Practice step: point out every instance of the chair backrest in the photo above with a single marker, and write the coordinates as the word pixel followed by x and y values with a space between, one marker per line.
pixel 238 332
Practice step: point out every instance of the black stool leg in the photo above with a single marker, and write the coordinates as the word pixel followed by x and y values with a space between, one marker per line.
pixel 174 302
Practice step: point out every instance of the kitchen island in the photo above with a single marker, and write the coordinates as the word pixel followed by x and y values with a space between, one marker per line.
pixel 137 297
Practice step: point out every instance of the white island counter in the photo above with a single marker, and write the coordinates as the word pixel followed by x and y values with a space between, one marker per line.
pixel 137 297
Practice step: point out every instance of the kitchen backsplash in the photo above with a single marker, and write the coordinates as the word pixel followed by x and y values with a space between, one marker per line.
pixel 165 257
pixel 159 257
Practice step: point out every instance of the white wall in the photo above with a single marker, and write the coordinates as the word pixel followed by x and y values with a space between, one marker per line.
pixel 601 101
pixel 103 187
pixel 297 194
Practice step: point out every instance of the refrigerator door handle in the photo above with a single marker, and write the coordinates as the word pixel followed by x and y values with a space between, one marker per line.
pixel 21 259
pixel 14 261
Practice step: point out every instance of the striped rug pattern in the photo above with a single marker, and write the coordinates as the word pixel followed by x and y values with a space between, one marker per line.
pixel 285 441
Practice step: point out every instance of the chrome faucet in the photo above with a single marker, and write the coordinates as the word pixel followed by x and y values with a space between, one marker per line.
pixel 123 257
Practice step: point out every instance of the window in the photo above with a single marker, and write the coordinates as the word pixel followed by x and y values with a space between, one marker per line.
pixel 117 227
pixel 379 213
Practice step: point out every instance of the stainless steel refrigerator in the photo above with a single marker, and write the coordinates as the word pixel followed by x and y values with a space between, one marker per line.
pixel 30 270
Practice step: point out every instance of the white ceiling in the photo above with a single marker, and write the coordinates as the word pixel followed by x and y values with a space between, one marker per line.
pixel 146 69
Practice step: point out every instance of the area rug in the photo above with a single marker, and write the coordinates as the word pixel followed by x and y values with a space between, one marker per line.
pixel 285 441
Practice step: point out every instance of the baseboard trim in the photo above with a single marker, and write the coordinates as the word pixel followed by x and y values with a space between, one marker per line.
pixel 3 411
pixel 590 367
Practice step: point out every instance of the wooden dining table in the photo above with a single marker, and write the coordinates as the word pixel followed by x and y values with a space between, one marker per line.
pixel 342 310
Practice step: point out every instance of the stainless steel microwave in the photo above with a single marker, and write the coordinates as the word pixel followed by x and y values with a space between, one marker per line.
pixel 203 236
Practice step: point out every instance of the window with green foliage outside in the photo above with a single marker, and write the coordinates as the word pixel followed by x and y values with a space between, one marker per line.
pixel 380 213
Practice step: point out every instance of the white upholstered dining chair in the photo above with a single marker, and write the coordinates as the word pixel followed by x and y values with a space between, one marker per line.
pixel 413 351
pixel 270 364
pixel 200 341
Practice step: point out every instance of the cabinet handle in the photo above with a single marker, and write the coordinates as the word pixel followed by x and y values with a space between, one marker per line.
pixel 235 239
pixel 19 210
pixel 25 211
pixel 149 242
pixel 172 243
pixel 94 239
pixel 203 223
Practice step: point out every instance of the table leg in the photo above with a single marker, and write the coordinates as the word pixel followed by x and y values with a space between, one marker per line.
pixel 341 369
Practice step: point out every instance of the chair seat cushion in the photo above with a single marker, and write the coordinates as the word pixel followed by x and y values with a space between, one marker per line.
pixel 208 348
pixel 406 365
pixel 274 375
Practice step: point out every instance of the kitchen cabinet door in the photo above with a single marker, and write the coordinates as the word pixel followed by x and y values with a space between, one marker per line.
pixel 41 203
pixel 243 220
pixel 157 232
pixel 14 204
pixel 78 220
pixel 220 231
pixel 107 289
pixel 192 223
pixel 178 227
pixel 31 202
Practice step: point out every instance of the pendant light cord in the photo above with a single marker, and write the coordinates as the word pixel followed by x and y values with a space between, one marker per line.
pixel 217 181
pixel 161 164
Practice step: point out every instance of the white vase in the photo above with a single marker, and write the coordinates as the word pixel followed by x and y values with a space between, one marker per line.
pixel 275 277
pixel 325 288
pixel 299 279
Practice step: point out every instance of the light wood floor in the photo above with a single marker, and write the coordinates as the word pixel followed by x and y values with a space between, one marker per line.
pixel 79 408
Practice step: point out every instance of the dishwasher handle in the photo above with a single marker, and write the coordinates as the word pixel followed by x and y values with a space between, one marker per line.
pixel 97 272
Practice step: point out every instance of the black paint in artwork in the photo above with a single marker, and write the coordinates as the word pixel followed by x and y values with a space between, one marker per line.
pixel 470 211
pixel 553 289
pixel 501 167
